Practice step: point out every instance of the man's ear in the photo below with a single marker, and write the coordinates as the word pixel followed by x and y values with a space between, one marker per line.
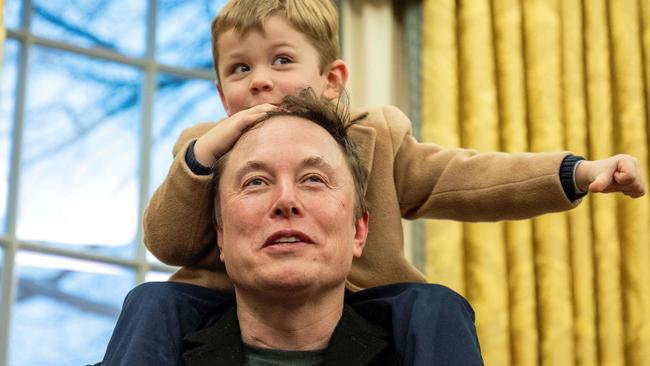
pixel 219 231
pixel 337 77
pixel 360 234
pixel 223 98
pixel 220 242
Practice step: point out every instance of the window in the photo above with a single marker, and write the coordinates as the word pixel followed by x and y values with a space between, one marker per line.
pixel 94 94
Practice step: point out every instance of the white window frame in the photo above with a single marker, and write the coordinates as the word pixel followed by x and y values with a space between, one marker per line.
pixel 9 242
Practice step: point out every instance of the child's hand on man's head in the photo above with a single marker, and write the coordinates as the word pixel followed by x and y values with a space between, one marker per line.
pixel 619 173
pixel 222 137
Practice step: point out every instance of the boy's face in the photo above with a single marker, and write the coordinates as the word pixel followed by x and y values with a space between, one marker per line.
pixel 264 66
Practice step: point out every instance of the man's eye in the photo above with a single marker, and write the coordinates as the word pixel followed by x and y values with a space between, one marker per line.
pixel 281 60
pixel 255 182
pixel 240 68
pixel 315 179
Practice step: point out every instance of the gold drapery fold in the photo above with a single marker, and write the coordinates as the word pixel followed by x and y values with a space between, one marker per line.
pixel 445 260
pixel 507 24
pixel 631 136
pixel 574 114
pixel 545 75
pixel 485 266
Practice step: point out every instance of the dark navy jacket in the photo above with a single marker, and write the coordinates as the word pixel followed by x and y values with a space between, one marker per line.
pixel 355 342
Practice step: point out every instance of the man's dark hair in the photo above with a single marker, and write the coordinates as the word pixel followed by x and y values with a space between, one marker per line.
pixel 334 118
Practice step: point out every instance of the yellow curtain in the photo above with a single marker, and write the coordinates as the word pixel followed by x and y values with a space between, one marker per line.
pixel 545 75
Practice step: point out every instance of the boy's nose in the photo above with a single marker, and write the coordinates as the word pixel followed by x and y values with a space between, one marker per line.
pixel 261 83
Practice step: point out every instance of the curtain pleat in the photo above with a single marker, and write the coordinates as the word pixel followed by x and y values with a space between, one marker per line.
pixel 630 132
pixel 444 257
pixel 545 75
pixel 486 280
pixel 606 241
pixel 507 24
pixel 574 114
pixel 542 29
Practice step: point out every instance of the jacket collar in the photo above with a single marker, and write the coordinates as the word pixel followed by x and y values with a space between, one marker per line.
pixel 355 341
pixel 364 138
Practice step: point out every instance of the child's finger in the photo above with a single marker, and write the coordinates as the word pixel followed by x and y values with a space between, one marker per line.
pixel 624 177
pixel 600 184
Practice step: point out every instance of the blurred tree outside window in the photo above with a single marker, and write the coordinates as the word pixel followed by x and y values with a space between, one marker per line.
pixel 93 97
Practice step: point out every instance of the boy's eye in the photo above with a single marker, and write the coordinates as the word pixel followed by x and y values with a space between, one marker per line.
pixel 281 60
pixel 239 68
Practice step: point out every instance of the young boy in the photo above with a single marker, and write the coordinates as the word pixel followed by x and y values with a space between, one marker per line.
pixel 264 50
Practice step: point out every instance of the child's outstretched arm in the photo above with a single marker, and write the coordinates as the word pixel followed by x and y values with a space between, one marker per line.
pixel 619 173
pixel 178 220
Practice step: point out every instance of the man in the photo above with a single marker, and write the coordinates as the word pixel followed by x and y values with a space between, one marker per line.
pixel 291 216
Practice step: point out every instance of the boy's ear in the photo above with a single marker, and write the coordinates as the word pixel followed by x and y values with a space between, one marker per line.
pixel 337 77
pixel 223 97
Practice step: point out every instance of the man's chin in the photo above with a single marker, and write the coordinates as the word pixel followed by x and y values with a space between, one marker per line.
pixel 297 284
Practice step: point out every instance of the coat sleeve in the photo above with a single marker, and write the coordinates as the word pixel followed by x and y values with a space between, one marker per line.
pixel 178 220
pixel 465 185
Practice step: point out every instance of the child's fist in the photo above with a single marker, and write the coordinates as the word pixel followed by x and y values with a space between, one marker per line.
pixel 218 140
pixel 619 173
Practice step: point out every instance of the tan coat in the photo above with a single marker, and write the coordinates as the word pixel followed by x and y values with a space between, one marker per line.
pixel 407 179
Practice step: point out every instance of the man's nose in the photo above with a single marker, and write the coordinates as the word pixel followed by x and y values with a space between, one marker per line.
pixel 287 203
pixel 261 82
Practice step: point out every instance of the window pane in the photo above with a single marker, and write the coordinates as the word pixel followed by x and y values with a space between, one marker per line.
pixel 8 98
pixel 156 276
pixel 12 13
pixel 179 103
pixel 183 32
pixel 80 152
pixel 117 25
pixel 70 306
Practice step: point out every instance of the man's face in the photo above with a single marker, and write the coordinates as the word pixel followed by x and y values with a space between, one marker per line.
pixel 287 202
pixel 263 67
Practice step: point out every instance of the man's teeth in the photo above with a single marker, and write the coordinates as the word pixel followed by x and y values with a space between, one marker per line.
pixel 287 239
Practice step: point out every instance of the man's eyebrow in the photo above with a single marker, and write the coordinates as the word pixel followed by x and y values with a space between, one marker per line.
pixel 250 166
pixel 309 162
pixel 316 162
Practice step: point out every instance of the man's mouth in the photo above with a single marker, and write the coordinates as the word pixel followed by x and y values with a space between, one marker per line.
pixel 287 237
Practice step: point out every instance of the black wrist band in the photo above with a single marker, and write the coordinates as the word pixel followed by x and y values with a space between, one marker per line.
pixel 567 171
pixel 194 165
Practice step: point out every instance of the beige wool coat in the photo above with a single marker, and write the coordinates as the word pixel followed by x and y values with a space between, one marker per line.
pixel 407 179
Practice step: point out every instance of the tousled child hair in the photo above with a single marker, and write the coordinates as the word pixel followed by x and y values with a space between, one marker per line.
pixel 317 20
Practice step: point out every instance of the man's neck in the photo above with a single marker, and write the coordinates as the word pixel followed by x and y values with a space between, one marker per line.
pixel 289 325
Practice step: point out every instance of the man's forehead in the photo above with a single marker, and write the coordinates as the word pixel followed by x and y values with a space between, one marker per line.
pixel 284 138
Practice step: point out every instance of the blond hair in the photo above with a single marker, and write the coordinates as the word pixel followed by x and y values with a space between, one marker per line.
pixel 317 20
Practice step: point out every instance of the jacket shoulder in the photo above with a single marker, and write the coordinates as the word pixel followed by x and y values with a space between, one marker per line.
pixel 192 133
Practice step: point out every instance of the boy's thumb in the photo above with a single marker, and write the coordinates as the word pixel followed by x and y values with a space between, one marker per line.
pixel 601 183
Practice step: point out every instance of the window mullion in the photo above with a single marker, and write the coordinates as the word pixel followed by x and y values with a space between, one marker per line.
pixel 8 276
pixel 148 91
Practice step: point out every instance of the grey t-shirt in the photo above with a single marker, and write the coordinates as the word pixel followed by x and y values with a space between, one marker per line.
pixel 256 356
